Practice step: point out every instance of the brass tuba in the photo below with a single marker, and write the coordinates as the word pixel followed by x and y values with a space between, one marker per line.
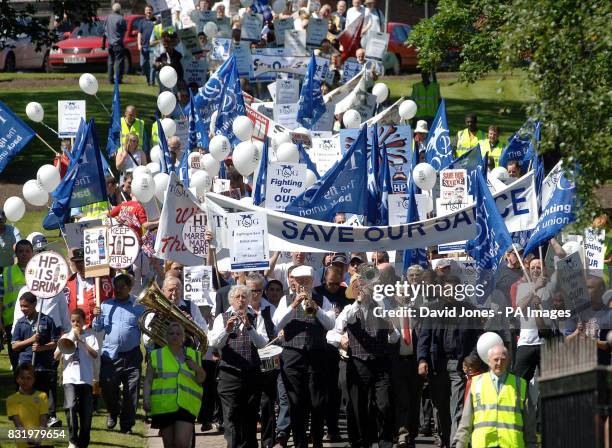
pixel 154 300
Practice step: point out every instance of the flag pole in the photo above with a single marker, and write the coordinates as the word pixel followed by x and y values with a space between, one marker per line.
pixel 47 144
pixel 521 263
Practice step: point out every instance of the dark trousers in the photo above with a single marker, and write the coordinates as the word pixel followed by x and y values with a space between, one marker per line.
pixel 268 401
pixel 209 396
pixel 46 381
pixel 116 62
pixel 527 359
pixel 283 422
pixel 447 387
pixel 333 389
pixel 407 396
pixel 13 356
pixel 240 394
pixel 369 382
pixel 351 421
pixel 427 409
pixel 78 403
pixel 124 371
pixel 304 376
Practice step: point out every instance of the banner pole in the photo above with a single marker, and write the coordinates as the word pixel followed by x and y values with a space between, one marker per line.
pixel 521 263
pixel 47 144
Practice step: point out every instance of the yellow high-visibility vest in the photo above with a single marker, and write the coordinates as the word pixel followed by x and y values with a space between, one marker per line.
pixel 138 128
pixel 174 385
pixel 466 141
pixel 498 419
pixel 13 279
pixel 494 152
pixel 427 98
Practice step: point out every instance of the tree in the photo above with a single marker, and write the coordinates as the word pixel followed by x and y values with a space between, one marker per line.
pixel 564 47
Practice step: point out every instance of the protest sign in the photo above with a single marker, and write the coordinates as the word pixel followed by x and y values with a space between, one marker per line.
pixel 571 278
pixel 242 52
pixel 287 91
pixel 221 49
pixel 595 250
pixel 325 152
pixel 350 69
pixel 549 184
pixel 285 182
pixel 166 18
pixel 263 126
pixel 159 5
pixel 46 274
pixel 123 247
pixel 398 207
pixel 73 232
pixel 316 31
pixel 197 285
pixel 266 64
pixel 96 252
pixel 263 55
pixel 453 186
pixel 249 243
pixel 201 18
pixel 70 114
pixel 295 43
pixel 286 115
pixel 251 27
pixel 376 46
pixel 190 41
pixel 221 185
pixel 194 235
pixel 326 122
pixel 280 26
pixel 194 71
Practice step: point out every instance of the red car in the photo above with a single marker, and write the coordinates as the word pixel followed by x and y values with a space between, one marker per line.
pixel 405 57
pixel 83 50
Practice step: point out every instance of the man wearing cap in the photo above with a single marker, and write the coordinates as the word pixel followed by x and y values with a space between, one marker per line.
pixel 426 94
pixel 305 317
pixel 9 235
pixel 420 135
pixel 280 271
pixel 121 356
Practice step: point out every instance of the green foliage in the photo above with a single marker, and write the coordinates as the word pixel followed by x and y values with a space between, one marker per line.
pixel 564 46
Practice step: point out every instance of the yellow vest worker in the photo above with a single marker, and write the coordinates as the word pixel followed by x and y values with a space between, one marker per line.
pixel 137 127
pixel 467 140
pixel 494 152
pixel 174 386
pixel 13 279
pixel 427 98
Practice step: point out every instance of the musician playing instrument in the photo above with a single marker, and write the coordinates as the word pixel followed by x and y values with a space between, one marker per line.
pixel 237 334
pixel 305 317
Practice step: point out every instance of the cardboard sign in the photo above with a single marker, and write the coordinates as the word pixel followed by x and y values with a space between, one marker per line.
pixel 286 115
pixel 96 252
pixel 197 285
pixel 398 208
pixel 242 52
pixel 46 274
pixel 166 18
pixel 194 70
pixel 325 152
pixel 326 122
pixel 376 46
pixel 249 241
pixel 316 31
pixel 70 114
pixel 73 232
pixel 221 185
pixel 571 278
pixel 287 91
pixel 284 183
pixel 295 43
pixel 123 247
pixel 190 41
pixel 453 186
pixel 251 27
pixel 159 5
pixel 221 49
pixel 194 235
pixel 595 250
pixel 280 26
pixel 263 61
pixel 350 69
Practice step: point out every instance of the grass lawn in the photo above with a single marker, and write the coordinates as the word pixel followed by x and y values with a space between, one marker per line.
pixel 100 436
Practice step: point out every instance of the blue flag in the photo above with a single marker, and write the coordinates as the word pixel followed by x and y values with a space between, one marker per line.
pixel 385 188
pixel 230 104
pixel 311 105
pixel 373 183
pixel 165 163
pixel 414 256
pixel 14 135
pixel 305 158
pixel 197 129
pixel 521 145
pixel 438 150
pixel 342 189
pixel 259 195
pixel 493 239
pixel 183 168
pixel 114 133
pixel 557 213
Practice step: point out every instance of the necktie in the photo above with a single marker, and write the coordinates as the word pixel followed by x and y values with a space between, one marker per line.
pixel 406 332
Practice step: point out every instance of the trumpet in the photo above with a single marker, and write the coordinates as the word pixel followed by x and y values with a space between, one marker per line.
pixel 310 306
pixel 234 333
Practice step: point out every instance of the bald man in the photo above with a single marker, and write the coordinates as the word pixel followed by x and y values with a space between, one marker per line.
pixel 131 124
pixel 498 411
pixel 174 146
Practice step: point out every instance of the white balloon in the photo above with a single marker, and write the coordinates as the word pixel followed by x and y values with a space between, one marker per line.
pixel 166 102
pixel 161 185
pixel 486 342
pixel 245 158
pixel 210 165
pixel 35 112
pixel 34 193
pixel 168 76
pixel 155 155
pixel 278 6
pixel 278 140
pixel 169 127
pixel 201 181
pixel 288 153
pixel 424 176
pixel 499 172
pixel 242 128
pixel 193 161
pixel 211 30
pixel 48 177
pixel 351 119
pixel 88 83
pixel 380 91
pixel 141 170
pixel 14 208
pixel 220 147
pixel 154 168
pixel 143 188
pixel 311 178
pixel 407 109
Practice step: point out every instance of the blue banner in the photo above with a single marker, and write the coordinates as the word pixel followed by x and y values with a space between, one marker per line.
pixel 114 132
pixel 259 195
pixel 414 256
pixel 311 106
pixel 14 135
pixel 521 146
pixel 385 187
pixel 230 104
pixel 438 149
pixel 373 174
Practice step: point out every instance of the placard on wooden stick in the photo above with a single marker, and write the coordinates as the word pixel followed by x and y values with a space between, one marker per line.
pixel 95 245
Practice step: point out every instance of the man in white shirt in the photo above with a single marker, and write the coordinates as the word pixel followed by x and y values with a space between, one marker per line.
pixel 280 271
pixel 354 12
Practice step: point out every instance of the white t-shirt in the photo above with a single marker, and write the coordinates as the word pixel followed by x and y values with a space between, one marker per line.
pixel 80 369
pixel 352 14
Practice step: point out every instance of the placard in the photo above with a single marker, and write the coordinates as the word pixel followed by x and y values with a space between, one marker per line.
pixel 244 63
pixel 123 247
pixel 195 70
pixel 571 278
pixel 316 31
pixel 190 41
pixel 158 5
pixel 46 274
pixel 325 152
pixel 287 91
pixel 284 183
pixel 251 27
pixel 249 241
pixel 197 285
pixel 447 208
pixel 286 115
pixel 398 208
pixel 73 232
pixel 263 61
pixel 201 18
pixel 295 43
pixel 166 18
pixel 221 49
pixel 280 26
pixel 325 123
pixel 194 235
pixel 96 252
pixel 595 250
pixel 221 185
pixel 376 47
pixel 70 113
pixel 453 186
pixel 350 69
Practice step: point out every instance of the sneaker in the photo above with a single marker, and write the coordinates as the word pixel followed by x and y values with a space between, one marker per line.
pixel 111 422
pixel 205 427
pixel 219 427
pixel 54 422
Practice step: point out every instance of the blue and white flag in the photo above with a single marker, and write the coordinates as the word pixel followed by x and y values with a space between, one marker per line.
pixel 414 256
pixel 230 104
pixel 259 195
pixel 373 182
pixel 197 129
pixel 438 149
pixel 165 163
pixel 114 132
pixel 385 187
pixel 492 239
pixel 342 189
pixel 311 105
pixel 521 145
pixel 556 214
pixel 14 135
pixel 305 158
pixel 183 168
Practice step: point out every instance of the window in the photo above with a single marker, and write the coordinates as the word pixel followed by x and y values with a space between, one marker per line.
pixel 89 30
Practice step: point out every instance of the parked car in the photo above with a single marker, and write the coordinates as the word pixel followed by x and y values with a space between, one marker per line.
pixel 84 48
pixel 21 54
pixel 401 57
